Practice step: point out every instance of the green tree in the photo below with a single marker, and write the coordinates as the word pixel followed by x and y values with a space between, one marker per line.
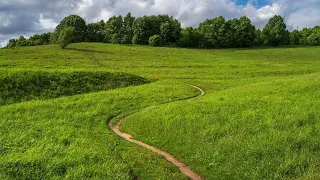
pixel 128 22
pixel 314 40
pixel 190 37
pixel 80 28
pixel 305 33
pixel 12 43
pixel 22 41
pixel 95 32
pixel 258 37
pixel 170 29
pixel 145 27
pixel 214 32
pixel 66 37
pixel 167 27
pixel 114 29
pixel 275 32
pixel 155 40
pixel 41 39
pixel 295 37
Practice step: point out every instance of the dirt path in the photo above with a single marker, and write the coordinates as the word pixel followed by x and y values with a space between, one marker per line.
pixel 182 167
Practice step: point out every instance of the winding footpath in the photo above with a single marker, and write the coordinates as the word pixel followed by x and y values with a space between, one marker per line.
pixel 182 167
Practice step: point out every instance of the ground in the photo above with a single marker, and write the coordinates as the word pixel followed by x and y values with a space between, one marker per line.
pixel 259 117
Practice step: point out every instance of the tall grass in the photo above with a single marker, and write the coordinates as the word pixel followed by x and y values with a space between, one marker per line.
pixel 18 86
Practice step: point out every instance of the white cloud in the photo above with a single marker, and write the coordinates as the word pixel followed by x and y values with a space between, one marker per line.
pixel 47 24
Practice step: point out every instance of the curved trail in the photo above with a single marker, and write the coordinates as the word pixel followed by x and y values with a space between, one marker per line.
pixel 182 167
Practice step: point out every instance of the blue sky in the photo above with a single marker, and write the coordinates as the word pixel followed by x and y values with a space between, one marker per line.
pixel 27 17
pixel 256 3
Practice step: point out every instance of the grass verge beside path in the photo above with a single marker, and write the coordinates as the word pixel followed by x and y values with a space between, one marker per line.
pixel 267 130
pixel 68 137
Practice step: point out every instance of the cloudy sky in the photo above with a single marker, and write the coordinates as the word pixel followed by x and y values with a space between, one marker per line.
pixel 26 17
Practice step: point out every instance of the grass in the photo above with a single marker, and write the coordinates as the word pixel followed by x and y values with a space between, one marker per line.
pixel 258 120
pixel 18 86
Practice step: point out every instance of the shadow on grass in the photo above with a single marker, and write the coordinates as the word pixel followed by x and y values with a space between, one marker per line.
pixel 87 50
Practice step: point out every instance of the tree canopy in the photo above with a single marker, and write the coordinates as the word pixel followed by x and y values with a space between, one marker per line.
pixel 275 32
pixel 212 33
pixel 80 28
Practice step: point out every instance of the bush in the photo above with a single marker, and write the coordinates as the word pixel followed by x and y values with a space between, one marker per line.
pixel 66 36
pixel 155 40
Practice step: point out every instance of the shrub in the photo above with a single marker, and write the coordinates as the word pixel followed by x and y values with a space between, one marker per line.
pixel 155 40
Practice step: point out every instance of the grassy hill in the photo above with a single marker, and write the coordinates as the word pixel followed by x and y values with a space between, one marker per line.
pixel 259 118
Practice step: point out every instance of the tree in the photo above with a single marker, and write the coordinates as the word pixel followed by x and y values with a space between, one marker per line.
pixel 22 41
pixel 167 27
pixel 304 35
pixel 145 27
pixel 295 37
pixel 258 37
pixel 214 32
pixel 170 29
pixel 12 43
pixel 80 28
pixel 128 22
pixel 40 39
pixel 190 38
pixel 246 33
pixel 114 29
pixel 95 32
pixel 314 40
pixel 66 37
pixel 155 40
pixel 275 32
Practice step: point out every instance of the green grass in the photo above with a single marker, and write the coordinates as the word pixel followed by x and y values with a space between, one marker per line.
pixel 259 118
pixel 18 86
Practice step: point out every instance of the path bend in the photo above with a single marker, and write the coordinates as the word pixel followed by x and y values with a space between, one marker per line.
pixel 184 169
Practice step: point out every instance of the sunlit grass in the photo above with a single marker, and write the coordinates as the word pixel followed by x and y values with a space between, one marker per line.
pixel 258 119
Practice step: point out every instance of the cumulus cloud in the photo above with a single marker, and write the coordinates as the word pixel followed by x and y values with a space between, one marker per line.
pixel 26 17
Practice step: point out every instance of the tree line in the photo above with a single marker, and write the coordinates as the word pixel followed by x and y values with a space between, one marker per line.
pixel 158 30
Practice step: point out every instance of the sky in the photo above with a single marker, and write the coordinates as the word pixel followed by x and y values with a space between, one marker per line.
pixel 27 17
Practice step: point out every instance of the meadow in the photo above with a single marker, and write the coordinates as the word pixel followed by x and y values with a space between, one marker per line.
pixel 259 118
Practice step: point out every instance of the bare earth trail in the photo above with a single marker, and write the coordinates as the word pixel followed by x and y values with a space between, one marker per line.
pixel 182 167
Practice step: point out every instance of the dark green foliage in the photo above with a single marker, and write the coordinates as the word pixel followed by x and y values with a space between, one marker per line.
pixel 155 40
pixel 258 40
pixel 114 29
pixel 214 32
pixel 22 86
pixel 167 27
pixel 66 37
pixel 242 33
pixel 128 22
pixel 37 39
pixel 95 32
pixel 314 40
pixel 275 32
pixel 80 28
pixel 190 38
pixel 304 34
pixel 12 43
pixel 295 37
pixel 22 41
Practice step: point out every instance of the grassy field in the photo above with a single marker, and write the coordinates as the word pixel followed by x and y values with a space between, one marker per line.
pixel 259 118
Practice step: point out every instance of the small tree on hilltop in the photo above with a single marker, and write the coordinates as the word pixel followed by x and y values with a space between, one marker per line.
pixel 66 37
pixel 80 28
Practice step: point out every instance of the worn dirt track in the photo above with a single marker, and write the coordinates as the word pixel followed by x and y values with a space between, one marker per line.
pixel 182 167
